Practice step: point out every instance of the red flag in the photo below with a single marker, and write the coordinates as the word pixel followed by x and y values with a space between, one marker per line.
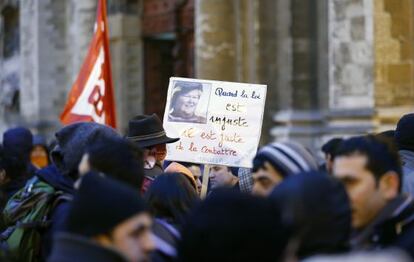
pixel 91 97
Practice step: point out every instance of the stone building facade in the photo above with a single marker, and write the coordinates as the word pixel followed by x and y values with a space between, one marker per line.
pixel 333 67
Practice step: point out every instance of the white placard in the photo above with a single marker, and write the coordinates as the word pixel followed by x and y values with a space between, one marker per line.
pixel 217 122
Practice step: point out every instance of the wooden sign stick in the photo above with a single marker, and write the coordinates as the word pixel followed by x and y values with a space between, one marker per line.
pixel 204 187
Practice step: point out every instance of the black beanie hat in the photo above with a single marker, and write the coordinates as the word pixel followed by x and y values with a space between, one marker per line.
pixel 404 134
pixel 18 141
pixel 101 204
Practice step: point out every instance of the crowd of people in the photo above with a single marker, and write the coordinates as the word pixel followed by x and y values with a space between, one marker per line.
pixel 93 194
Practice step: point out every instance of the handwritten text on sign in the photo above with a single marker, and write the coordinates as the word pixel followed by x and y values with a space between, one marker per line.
pixel 217 122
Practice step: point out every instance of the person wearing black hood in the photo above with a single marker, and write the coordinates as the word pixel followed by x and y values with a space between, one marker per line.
pixel 71 142
pixel 316 207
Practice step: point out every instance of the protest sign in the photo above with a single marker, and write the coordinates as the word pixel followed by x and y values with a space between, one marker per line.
pixel 217 122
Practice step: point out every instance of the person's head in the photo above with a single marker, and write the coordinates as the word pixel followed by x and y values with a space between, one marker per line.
pixel 222 176
pixel 115 157
pixel 71 142
pixel 175 167
pixel 11 167
pixel 196 171
pixel 276 161
pixel 18 142
pixel 185 99
pixel 404 133
pixel 171 196
pixel 232 226
pixel 370 169
pixel 148 133
pixel 39 155
pixel 113 215
pixel 329 149
pixel 317 208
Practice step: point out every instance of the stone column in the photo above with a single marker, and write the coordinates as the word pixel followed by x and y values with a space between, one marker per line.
pixel 351 63
pixel 127 68
pixel 298 117
pixel 216 40
pixel 43 67
pixel 81 17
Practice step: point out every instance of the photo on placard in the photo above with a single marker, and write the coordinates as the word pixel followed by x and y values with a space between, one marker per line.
pixel 189 102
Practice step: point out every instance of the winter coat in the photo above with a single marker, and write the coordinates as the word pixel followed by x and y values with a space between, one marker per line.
pixel 9 189
pixel 72 141
pixel 150 175
pixel 52 176
pixel 166 237
pixel 393 227
pixel 73 248
pixel 407 159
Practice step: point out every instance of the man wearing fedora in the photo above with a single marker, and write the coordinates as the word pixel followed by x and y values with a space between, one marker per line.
pixel 148 133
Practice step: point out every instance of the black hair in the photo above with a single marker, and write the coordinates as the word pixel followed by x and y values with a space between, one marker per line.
pixel 118 158
pixel 13 165
pixel 232 226
pixel 171 196
pixel 331 146
pixel 382 155
pixel 388 135
pixel 317 208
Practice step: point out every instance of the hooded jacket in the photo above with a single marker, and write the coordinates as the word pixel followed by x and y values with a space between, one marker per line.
pixel 72 141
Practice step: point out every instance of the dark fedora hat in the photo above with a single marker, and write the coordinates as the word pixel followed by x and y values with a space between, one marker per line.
pixel 146 131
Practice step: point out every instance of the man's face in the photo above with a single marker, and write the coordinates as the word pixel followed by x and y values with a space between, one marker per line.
pixel 186 104
pixel 366 198
pixel 38 156
pixel 265 179
pixel 196 171
pixel 154 154
pixel 220 176
pixel 133 238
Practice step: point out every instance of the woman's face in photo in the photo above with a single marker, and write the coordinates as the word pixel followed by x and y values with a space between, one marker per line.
pixel 186 104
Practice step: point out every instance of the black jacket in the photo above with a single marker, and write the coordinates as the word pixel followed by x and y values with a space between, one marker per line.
pixel 393 227
pixel 73 248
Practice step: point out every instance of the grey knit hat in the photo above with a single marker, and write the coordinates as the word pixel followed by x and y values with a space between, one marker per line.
pixel 288 158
